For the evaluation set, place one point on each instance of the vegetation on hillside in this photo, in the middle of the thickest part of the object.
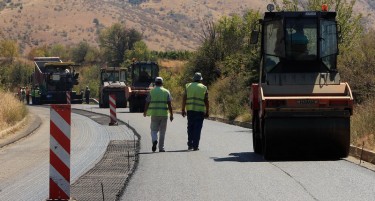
(228, 63)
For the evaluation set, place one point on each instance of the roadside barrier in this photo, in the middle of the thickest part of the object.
(59, 169)
(112, 109)
(68, 97)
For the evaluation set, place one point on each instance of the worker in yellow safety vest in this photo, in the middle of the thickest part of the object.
(158, 102)
(36, 96)
(196, 102)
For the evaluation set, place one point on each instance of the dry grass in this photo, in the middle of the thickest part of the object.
(175, 64)
(363, 125)
(11, 110)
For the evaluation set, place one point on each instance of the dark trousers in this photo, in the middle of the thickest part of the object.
(195, 123)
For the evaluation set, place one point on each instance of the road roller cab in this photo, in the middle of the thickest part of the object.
(300, 106)
(143, 74)
(112, 81)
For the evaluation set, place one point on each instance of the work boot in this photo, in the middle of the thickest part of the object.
(154, 145)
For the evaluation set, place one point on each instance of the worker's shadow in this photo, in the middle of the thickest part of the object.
(240, 157)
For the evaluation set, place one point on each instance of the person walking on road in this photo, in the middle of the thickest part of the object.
(87, 95)
(196, 102)
(27, 95)
(35, 94)
(158, 102)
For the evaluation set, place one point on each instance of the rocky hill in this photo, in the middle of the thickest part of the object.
(165, 24)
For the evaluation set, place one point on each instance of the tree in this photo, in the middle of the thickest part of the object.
(92, 56)
(79, 52)
(115, 40)
(139, 52)
(96, 21)
(58, 50)
(225, 48)
(357, 68)
(9, 49)
(38, 52)
(227, 62)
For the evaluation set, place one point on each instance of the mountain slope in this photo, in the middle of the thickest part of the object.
(165, 24)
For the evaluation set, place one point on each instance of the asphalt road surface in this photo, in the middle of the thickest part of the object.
(24, 165)
(225, 168)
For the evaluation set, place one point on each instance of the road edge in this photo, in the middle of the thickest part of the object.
(136, 157)
(32, 125)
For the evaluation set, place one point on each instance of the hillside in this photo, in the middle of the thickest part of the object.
(165, 24)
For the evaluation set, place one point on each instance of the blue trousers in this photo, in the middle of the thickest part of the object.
(195, 123)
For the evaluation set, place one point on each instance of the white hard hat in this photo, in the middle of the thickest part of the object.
(159, 79)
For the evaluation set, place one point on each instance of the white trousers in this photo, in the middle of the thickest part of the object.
(158, 124)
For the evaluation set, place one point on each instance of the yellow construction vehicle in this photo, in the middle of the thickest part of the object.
(300, 107)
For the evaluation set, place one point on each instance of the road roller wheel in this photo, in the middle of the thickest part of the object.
(257, 142)
(266, 142)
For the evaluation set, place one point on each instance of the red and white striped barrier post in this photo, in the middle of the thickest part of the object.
(68, 97)
(112, 109)
(59, 169)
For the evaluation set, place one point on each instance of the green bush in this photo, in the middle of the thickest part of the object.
(363, 124)
(229, 97)
(172, 83)
(14, 75)
(89, 76)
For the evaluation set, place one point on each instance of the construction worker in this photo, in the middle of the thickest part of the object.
(23, 94)
(27, 95)
(144, 76)
(196, 101)
(19, 93)
(298, 41)
(87, 95)
(158, 102)
(37, 95)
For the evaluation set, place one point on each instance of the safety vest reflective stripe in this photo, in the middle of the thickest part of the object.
(159, 102)
(195, 97)
(197, 104)
(157, 108)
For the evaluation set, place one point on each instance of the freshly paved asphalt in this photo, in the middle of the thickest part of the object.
(24, 168)
(225, 168)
